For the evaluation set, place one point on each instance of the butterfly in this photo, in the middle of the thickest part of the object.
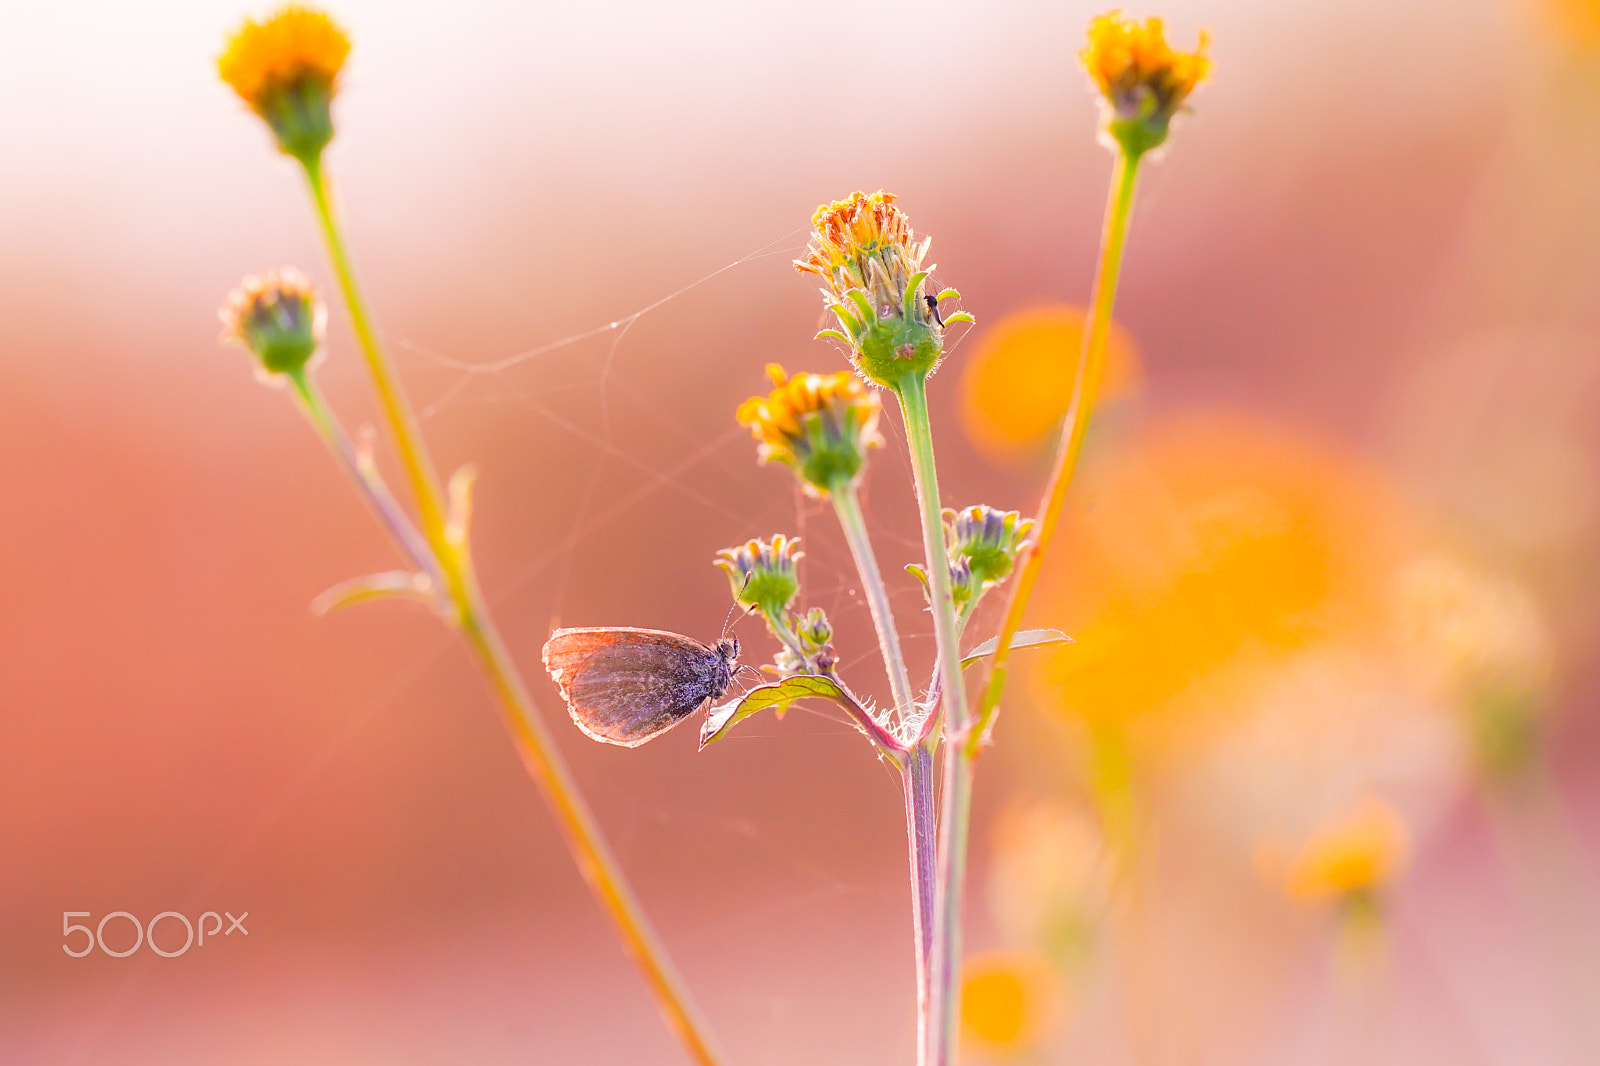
(626, 686)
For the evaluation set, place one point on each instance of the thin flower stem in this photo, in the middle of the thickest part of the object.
(945, 953)
(528, 731)
(917, 770)
(397, 412)
(593, 855)
(372, 489)
(922, 838)
(1085, 384)
(847, 505)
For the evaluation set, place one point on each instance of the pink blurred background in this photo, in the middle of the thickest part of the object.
(1379, 234)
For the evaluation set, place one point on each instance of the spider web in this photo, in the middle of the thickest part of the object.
(828, 580)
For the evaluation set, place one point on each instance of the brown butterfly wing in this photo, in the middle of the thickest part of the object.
(627, 686)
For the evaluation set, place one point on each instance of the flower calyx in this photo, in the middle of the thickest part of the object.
(278, 317)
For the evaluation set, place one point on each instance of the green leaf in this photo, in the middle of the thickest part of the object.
(1025, 638)
(778, 697)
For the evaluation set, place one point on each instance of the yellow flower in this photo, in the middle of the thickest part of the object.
(864, 248)
(278, 317)
(287, 70)
(1008, 1001)
(1143, 80)
(819, 424)
(1356, 853)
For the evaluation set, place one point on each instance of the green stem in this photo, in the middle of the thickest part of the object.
(1085, 384)
(397, 412)
(917, 771)
(922, 838)
(372, 488)
(529, 733)
(847, 505)
(945, 954)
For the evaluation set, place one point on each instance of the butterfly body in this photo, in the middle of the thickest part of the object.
(626, 686)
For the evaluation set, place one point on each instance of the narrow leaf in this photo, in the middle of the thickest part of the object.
(402, 583)
(1024, 638)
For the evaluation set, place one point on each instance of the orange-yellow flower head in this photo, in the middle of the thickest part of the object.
(1144, 82)
(287, 70)
(278, 317)
(1357, 853)
(864, 249)
(1009, 1002)
(819, 424)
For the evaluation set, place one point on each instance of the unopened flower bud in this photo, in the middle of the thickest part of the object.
(987, 540)
(278, 316)
(763, 574)
(815, 629)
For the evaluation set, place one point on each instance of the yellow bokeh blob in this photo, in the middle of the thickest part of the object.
(1015, 387)
(1008, 1000)
(1575, 22)
(1211, 547)
(1356, 852)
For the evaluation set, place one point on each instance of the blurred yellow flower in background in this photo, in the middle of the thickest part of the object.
(1048, 876)
(1357, 852)
(1577, 22)
(1210, 546)
(1240, 668)
(1015, 387)
(1010, 1000)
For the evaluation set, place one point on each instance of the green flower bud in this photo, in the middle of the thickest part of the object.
(986, 540)
(763, 574)
(815, 629)
(278, 317)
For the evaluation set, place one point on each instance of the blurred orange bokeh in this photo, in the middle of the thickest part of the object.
(1212, 545)
(1016, 385)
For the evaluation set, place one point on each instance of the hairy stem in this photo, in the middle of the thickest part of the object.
(922, 833)
(945, 953)
(917, 771)
(528, 731)
(1085, 384)
(847, 505)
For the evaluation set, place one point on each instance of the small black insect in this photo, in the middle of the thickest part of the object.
(933, 308)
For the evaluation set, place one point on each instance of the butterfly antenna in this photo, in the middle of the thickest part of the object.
(727, 621)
